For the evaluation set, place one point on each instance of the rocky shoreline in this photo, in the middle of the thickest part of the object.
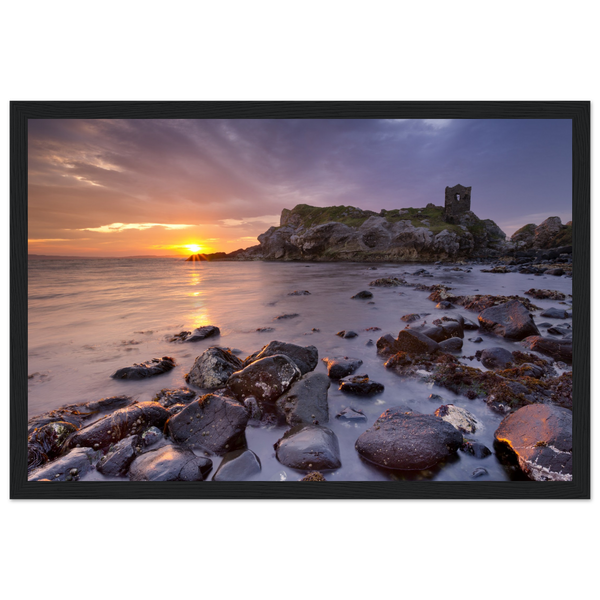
(174, 436)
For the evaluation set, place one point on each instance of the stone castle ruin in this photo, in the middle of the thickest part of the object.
(458, 202)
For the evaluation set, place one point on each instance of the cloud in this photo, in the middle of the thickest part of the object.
(265, 219)
(117, 227)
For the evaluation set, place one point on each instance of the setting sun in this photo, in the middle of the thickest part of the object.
(193, 248)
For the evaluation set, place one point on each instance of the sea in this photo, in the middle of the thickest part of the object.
(89, 317)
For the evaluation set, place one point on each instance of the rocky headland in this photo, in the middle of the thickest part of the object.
(346, 233)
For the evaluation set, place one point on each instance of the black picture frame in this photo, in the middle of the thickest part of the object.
(578, 488)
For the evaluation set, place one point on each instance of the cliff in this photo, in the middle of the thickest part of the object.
(549, 234)
(345, 233)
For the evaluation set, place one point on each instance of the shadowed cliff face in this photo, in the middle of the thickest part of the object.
(345, 233)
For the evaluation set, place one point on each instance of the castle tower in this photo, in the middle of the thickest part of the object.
(458, 202)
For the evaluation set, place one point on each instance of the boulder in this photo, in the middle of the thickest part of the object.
(362, 295)
(305, 358)
(387, 344)
(408, 441)
(360, 385)
(558, 349)
(510, 320)
(170, 463)
(557, 272)
(306, 401)
(307, 447)
(169, 398)
(496, 358)
(458, 417)
(69, 467)
(541, 437)
(410, 318)
(341, 366)
(150, 368)
(347, 334)
(352, 415)
(266, 379)
(214, 422)
(120, 424)
(213, 368)
(554, 313)
(118, 458)
(238, 466)
(203, 332)
(152, 435)
(46, 442)
(451, 345)
(414, 342)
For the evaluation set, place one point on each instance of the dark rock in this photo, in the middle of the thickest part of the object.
(479, 472)
(306, 401)
(151, 436)
(444, 305)
(170, 463)
(214, 422)
(362, 295)
(347, 334)
(453, 330)
(308, 447)
(435, 332)
(541, 437)
(305, 358)
(369, 343)
(266, 379)
(496, 358)
(544, 325)
(203, 332)
(510, 320)
(238, 466)
(408, 441)
(116, 462)
(559, 331)
(360, 385)
(120, 424)
(387, 282)
(265, 329)
(554, 313)
(352, 415)
(69, 467)
(314, 475)
(458, 417)
(287, 316)
(298, 293)
(530, 370)
(150, 368)
(476, 449)
(168, 397)
(341, 366)
(451, 345)
(557, 272)
(46, 442)
(468, 324)
(410, 318)
(387, 344)
(476, 340)
(557, 349)
(213, 368)
(413, 342)
(253, 408)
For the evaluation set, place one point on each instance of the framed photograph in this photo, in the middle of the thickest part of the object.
(328, 300)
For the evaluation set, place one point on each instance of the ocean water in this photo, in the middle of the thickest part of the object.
(87, 318)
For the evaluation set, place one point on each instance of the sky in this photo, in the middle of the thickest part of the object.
(165, 187)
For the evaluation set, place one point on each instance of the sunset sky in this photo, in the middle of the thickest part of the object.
(153, 187)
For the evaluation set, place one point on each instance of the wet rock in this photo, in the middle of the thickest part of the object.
(541, 437)
(369, 343)
(308, 447)
(118, 458)
(120, 424)
(479, 472)
(468, 324)
(496, 358)
(530, 370)
(171, 397)
(299, 293)
(362, 295)
(510, 320)
(306, 401)
(398, 440)
(558, 349)
(476, 449)
(69, 467)
(214, 422)
(545, 294)
(170, 463)
(360, 385)
(266, 379)
(253, 408)
(545, 325)
(414, 342)
(305, 358)
(458, 417)
(265, 329)
(151, 436)
(554, 313)
(352, 415)
(203, 332)
(410, 318)
(46, 442)
(559, 331)
(557, 272)
(238, 466)
(444, 305)
(435, 332)
(476, 340)
(453, 330)
(341, 366)
(287, 316)
(387, 282)
(451, 345)
(387, 344)
(213, 368)
(150, 368)
(347, 334)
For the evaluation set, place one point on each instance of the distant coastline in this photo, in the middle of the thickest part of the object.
(67, 257)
